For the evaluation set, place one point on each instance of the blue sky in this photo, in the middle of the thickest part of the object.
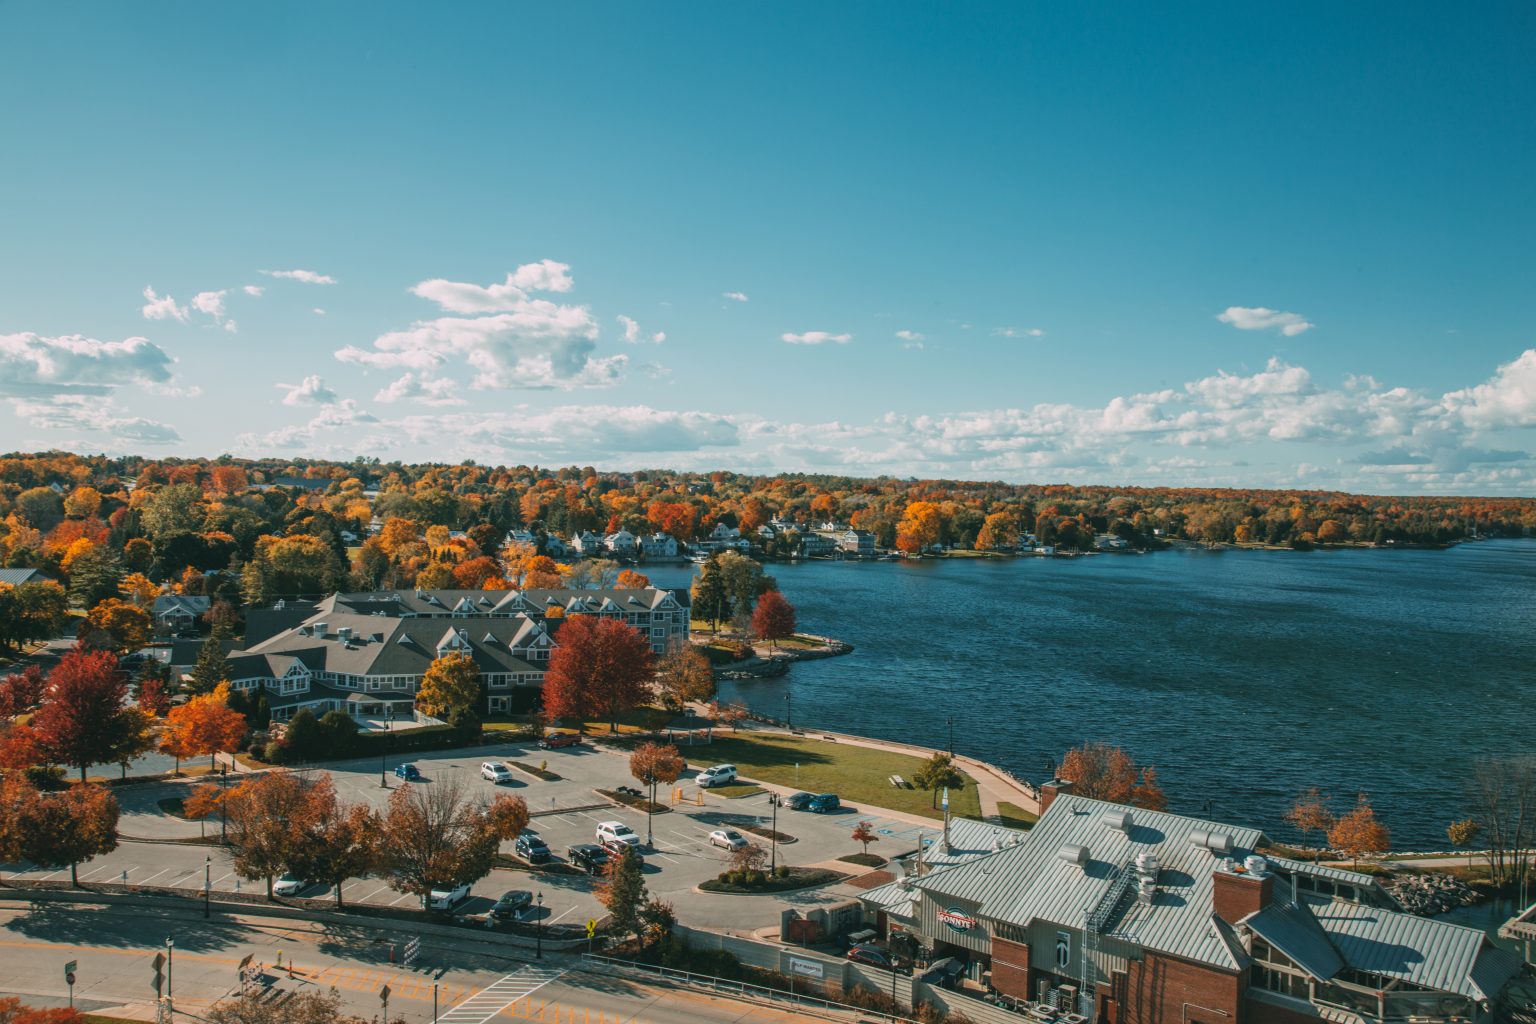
(1086, 244)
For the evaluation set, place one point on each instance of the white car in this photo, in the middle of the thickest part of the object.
(719, 775)
(495, 771)
(616, 832)
(289, 885)
(447, 899)
(729, 838)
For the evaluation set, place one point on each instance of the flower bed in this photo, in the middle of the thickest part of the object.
(542, 774)
(784, 880)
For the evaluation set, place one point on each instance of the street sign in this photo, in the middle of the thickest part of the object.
(591, 927)
(69, 978)
(384, 995)
(69, 968)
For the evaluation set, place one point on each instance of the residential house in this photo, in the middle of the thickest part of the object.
(520, 537)
(587, 544)
(365, 653)
(1142, 917)
(857, 542)
(178, 613)
(659, 545)
(554, 547)
(16, 577)
(622, 544)
(814, 545)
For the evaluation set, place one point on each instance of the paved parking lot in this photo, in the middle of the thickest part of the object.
(678, 858)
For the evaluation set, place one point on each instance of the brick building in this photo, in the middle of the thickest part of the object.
(1128, 916)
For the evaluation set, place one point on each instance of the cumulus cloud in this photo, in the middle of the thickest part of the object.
(735, 296)
(910, 335)
(574, 431)
(211, 303)
(1015, 332)
(1260, 318)
(307, 276)
(318, 311)
(459, 297)
(302, 436)
(533, 343)
(253, 290)
(162, 307)
(422, 389)
(633, 334)
(77, 412)
(1508, 399)
(817, 338)
(31, 364)
(310, 391)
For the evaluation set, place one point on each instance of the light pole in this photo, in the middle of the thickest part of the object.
(773, 841)
(389, 717)
(207, 884)
(223, 806)
(170, 963)
(951, 722)
(650, 803)
(538, 931)
(789, 718)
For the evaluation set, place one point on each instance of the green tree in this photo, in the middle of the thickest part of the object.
(938, 773)
(95, 576)
(173, 511)
(212, 666)
(622, 892)
(302, 740)
(452, 682)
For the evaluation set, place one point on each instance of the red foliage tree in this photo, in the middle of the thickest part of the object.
(599, 667)
(22, 691)
(774, 618)
(472, 574)
(83, 716)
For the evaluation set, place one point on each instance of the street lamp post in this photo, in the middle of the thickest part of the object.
(539, 927)
(389, 717)
(650, 804)
(224, 807)
(170, 963)
(773, 842)
(951, 722)
(789, 717)
(207, 884)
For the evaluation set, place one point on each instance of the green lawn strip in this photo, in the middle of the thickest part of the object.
(1014, 816)
(736, 789)
(859, 775)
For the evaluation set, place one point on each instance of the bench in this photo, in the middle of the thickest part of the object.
(899, 782)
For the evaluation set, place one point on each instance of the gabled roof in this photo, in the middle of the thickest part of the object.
(16, 577)
(1295, 932)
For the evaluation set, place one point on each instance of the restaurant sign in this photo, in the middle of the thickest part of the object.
(957, 919)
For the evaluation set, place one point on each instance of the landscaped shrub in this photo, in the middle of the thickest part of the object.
(782, 871)
(273, 753)
(754, 878)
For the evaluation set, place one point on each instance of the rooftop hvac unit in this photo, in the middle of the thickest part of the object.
(1256, 865)
(1218, 843)
(1119, 821)
(1074, 854)
(320, 627)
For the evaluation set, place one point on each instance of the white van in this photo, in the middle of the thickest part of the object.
(719, 775)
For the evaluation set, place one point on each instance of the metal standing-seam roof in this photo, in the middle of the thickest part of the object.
(1293, 930)
(1435, 954)
(1020, 884)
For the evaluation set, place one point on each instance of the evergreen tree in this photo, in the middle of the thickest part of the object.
(212, 666)
(623, 892)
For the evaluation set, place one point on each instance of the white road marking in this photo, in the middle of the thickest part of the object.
(496, 997)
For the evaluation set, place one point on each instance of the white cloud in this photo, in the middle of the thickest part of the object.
(580, 431)
(1260, 318)
(162, 307)
(1015, 332)
(231, 326)
(459, 297)
(34, 365)
(253, 289)
(211, 303)
(77, 412)
(817, 338)
(633, 334)
(422, 389)
(910, 335)
(735, 296)
(318, 311)
(301, 436)
(310, 391)
(1508, 399)
(307, 276)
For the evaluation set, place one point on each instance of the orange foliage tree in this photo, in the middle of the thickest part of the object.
(1102, 772)
(1359, 833)
(631, 580)
(599, 667)
(203, 725)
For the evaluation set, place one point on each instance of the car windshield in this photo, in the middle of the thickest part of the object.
(732, 835)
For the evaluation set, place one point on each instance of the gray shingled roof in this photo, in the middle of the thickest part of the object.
(16, 577)
(441, 603)
(1030, 881)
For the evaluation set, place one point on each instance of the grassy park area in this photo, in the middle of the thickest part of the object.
(856, 774)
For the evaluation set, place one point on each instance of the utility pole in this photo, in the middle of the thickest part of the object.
(207, 885)
(223, 805)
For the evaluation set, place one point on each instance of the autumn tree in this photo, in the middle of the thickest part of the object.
(864, 834)
(919, 527)
(451, 683)
(600, 667)
(748, 858)
(683, 675)
(1000, 530)
(202, 802)
(18, 798)
(73, 825)
(1310, 812)
(631, 580)
(256, 1007)
(655, 764)
(135, 738)
(334, 841)
(1102, 772)
(1462, 833)
(438, 836)
(85, 711)
(265, 816)
(22, 691)
(204, 725)
(774, 618)
(1359, 834)
(139, 590)
(622, 892)
(936, 773)
(20, 748)
(114, 625)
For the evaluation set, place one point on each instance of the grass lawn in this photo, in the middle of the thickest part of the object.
(1015, 816)
(856, 774)
(736, 789)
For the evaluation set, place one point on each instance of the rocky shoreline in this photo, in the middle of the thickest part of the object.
(1432, 893)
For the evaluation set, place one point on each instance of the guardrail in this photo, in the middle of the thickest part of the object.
(740, 989)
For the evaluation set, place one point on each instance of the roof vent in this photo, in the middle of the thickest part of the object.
(1255, 865)
(320, 627)
(1218, 843)
(1119, 821)
(1074, 854)
(344, 632)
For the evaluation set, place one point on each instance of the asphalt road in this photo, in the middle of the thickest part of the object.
(114, 949)
(677, 860)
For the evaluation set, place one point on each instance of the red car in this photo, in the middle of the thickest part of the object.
(560, 739)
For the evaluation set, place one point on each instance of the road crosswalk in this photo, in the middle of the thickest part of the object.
(497, 996)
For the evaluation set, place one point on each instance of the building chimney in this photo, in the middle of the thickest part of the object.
(1237, 892)
(1051, 790)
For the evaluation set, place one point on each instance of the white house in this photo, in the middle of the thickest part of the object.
(587, 544)
(659, 545)
(622, 544)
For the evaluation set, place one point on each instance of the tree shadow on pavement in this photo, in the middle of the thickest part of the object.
(147, 928)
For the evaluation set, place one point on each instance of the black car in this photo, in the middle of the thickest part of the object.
(511, 904)
(531, 849)
(798, 801)
(588, 855)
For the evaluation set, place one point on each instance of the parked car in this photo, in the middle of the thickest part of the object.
(588, 855)
(616, 832)
(532, 849)
(495, 771)
(728, 838)
(511, 904)
(289, 885)
(874, 956)
(408, 772)
(798, 801)
(824, 803)
(555, 740)
(614, 848)
(719, 775)
(447, 899)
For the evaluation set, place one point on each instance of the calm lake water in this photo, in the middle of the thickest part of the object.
(1244, 676)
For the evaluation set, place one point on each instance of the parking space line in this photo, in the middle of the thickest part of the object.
(146, 881)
